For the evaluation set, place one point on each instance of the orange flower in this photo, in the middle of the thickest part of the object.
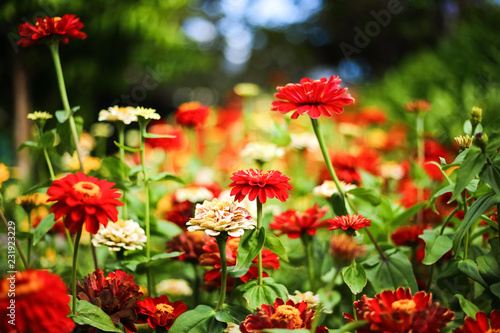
(50, 30)
(320, 97)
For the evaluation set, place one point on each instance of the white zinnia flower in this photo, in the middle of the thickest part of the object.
(174, 287)
(124, 234)
(216, 216)
(328, 188)
(308, 297)
(304, 141)
(115, 113)
(39, 115)
(193, 194)
(232, 328)
(146, 113)
(261, 152)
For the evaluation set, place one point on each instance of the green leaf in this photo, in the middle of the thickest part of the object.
(127, 148)
(75, 108)
(495, 289)
(200, 320)
(407, 214)
(350, 327)
(468, 127)
(232, 314)
(47, 140)
(250, 245)
(45, 225)
(479, 206)
(458, 160)
(274, 244)
(111, 167)
(436, 245)
(354, 277)
(452, 280)
(469, 308)
(62, 116)
(26, 144)
(469, 268)
(158, 136)
(89, 314)
(338, 204)
(493, 131)
(473, 163)
(491, 176)
(164, 176)
(366, 194)
(392, 274)
(489, 267)
(266, 294)
(139, 263)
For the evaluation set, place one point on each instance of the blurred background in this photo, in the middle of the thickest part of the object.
(161, 53)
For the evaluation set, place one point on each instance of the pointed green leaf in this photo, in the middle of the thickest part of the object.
(200, 320)
(274, 244)
(47, 140)
(366, 194)
(495, 289)
(165, 176)
(471, 166)
(232, 314)
(436, 246)
(338, 204)
(26, 144)
(62, 116)
(355, 278)
(266, 294)
(491, 176)
(392, 274)
(469, 268)
(489, 268)
(89, 314)
(469, 308)
(127, 148)
(407, 214)
(45, 225)
(250, 245)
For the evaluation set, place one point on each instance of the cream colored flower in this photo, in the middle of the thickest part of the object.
(193, 194)
(124, 234)
(261, 152)
(232, 328)
(146, 113)
(39, 115)
(304, 141)
(245, 203)
(103, 130)
(115, 113)
(328, 188)
(174, 287)
(87, 142)
(464, 142)
(391, 169)
(217, 216)
(308, 297)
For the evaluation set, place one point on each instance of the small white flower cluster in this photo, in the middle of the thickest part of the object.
(124, 234)
(261, 152)
(174, 287)
(193, 194)
(308, 297)
(115, 113)
(216, 216)
(328, 188)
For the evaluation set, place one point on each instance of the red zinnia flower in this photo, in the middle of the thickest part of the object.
(314, 97)
(211, 257)
(294, 224)
(191, 243)
(192, 114)
(261, 184)
(82, 199)
(418, 105)
(167, 144)
(51, 29)
(280, 315)
(349, 223)
(399, 311)
(34, 310)
(180, 213)
(159, 311)
(116, 295)
(481, 325)
(407, 235)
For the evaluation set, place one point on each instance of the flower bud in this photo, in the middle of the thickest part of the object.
(476, 116)
(481, 141)
(464, 142)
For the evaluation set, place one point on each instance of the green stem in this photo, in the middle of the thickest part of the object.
(307, 242)
(331, 170)
(420, 160)
(54, 50)
(196, 285)
(467, 236)
(49, 164)
(121, 138)
(73, 270)
(221, 243)
(259, 225)
(142, 125)
(70, 241)
(21, 254)
(30, 240)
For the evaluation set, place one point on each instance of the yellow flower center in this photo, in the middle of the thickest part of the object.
(164, 308)
(496, 330)
(404, 305)
(288, 313)
(22, 286)
(87, 189)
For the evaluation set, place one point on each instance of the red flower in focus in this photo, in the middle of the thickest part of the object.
(192, 114)
(159, 311)
(349, 223)
(180, 213)
(481, 324)
(191, 243)
(211, 257)
(407, 235)
(294, 224)
(319, 97)
(82, 199)
(35, 309)
(280, 315)
(261, 184)
(167, 144)
(115, 294)
(418, 105)
(399, 311)
(51, 29)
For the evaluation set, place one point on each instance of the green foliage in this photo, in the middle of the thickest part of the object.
(266, 294)
(88, 314)
(436, 245)
(391, 274)
(200, 320)
(355, 277)
(45, 225)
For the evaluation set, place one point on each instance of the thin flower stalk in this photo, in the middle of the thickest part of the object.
(221, 243)
(259, 256)
(308, 247)
(73, 270)
(121, 139)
